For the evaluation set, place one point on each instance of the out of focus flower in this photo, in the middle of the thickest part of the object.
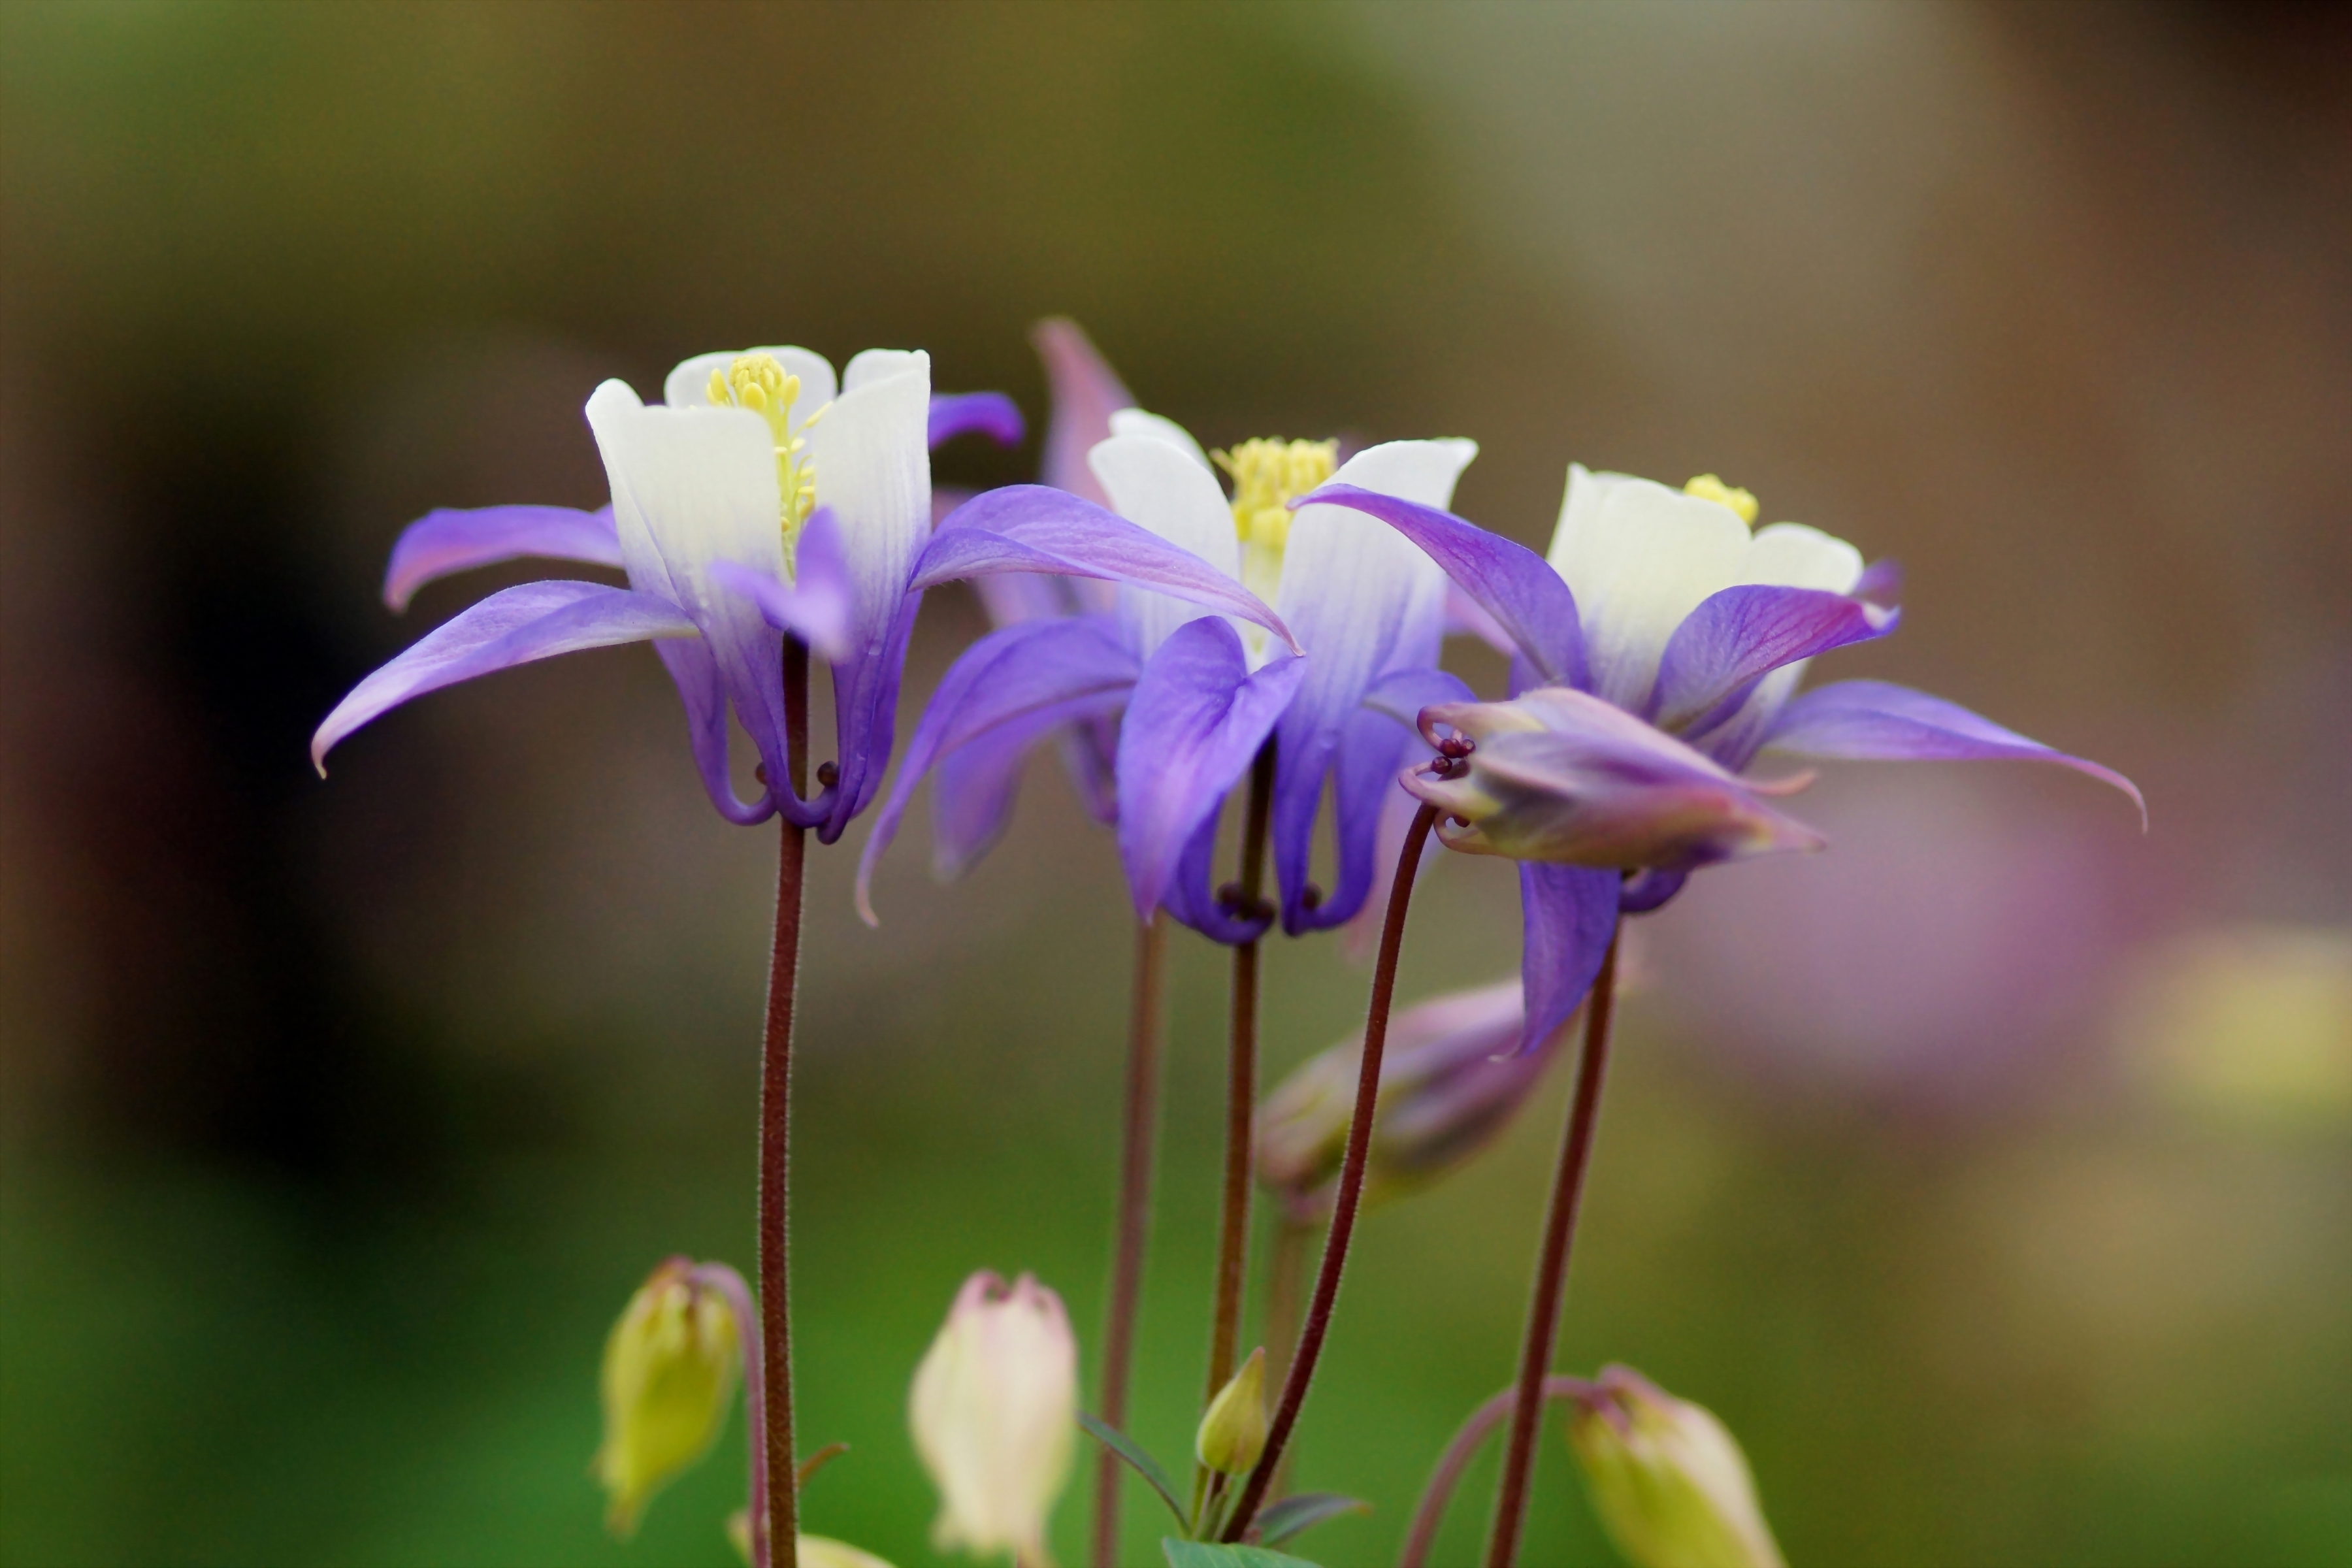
(752, 502)
(1232, 1434)
(994, 1417)
(1660, 607)
(1201, 693)
(670, 1366)
(816, 1550)
(1668, 1478)
(1450, 1083)
(2250, 1025)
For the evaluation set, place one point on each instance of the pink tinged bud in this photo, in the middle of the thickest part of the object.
(994, 1417)
(1444, 1096)
(670, 1366)
(1668, 1478)
(1559, 775)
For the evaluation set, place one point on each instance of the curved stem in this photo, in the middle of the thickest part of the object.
(1285, 1274)
(781, 1525)
(729, 1283)
(1351, 1193)
(1552, 1269)
(1139, 1132)
(1430, 1512)
(1240, 1089)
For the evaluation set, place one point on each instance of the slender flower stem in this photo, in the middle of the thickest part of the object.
(1551, 1271)
(729, 1283)
(1240, 1089)
(1431, 1511)
(782, 1524)
(1350, 1192)
(1139, 1134)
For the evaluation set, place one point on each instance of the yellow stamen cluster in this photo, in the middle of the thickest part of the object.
(758, 383)
(1269, 475)
(1706, 487)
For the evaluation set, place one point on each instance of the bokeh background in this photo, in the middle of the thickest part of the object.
(1990, 1174)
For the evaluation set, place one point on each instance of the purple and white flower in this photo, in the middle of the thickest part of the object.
(1656, 653)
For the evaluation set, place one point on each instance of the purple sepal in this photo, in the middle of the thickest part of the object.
(989, 414)
(453, 539)
(1569, 913)
(1402, 694)
(1465, 617)
(1736, 637)
(1881, 584)
(695, 674)
(1052, 667)
(819, 606)
(516, 625)
(1086, 392)
(1649, 891)
(1035, 528)
(1877, 721)
(1197, 717)
(973, 786)
(1511, 583)
(865, 718)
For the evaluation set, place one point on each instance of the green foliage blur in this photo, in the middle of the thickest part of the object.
(1986, 1175)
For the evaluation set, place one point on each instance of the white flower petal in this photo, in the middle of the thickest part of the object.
(873, 465)
(610, 408)
(689, 385)
(1136, 422)
(881, 364)
(1155, 484)
(1642, 560)
(1797, 555)
(1364, 590)
(1579, 509)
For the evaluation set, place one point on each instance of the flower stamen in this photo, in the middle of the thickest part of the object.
(757, 382)
(1268, 476)
(1706, 487)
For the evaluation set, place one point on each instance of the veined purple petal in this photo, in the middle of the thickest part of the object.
(1086, 392)
(1035, 528)
(532, 621)
(1741, 635)
(989, 414)
(454, 539)
(866, 719)
(973, 786)
(695, 674)
(1570, 914)
(819, 605)
(1877, 721)
(1005, 678)
(1196, 719)
(1511, 583)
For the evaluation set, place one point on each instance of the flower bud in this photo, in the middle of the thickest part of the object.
(816, 1550)
(1444, 1096)
(994, 1416)
(1232, 1434)
(669, 1372)
(1668, 1478)
(1559, 775)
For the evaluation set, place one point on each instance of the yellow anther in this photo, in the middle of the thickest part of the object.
(1269, 475)
(1706, 487)
(757, 382)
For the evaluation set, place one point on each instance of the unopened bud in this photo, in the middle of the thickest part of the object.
(669, 1371)
(994, 1415)
(1232, 1434)
(816, 1550)
(1668, 1478)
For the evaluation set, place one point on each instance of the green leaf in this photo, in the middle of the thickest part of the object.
(1281, 1520)
(1206, 1554)
(1143, 1464)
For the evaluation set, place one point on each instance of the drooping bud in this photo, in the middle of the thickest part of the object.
(1559, 775)
(669, 1372)
(1444, 1096)
(816, 1550)
(1668, 1478)
(994, 1416)
(1232, 1434)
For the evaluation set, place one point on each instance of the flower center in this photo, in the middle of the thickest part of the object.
(1267, 476)
(758, 383)
(1706, 487)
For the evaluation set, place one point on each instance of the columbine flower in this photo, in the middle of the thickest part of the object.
(1668, 1478)
(995, 1414)
(751, 501)
(1199, 694)
(1450, 1082)
(669, 1373)
(1678, 636)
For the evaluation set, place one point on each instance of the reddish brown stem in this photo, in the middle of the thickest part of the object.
(1431, 1511)
(1240, 1089)
(1551, 1268)
(781, 1523)
(1139, 1134)
(1351, 1193)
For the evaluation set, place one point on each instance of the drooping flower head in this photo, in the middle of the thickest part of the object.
(1657, 652)
(994, 1416)
(670, 1366)
(1668, 1478)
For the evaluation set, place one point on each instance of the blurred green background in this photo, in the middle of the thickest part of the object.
(1988, 1176)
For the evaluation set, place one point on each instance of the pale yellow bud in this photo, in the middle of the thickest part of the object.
(1668, 1478)
(669, 1372)
(816, 1550)
(994, 1415)
(1232, 1434)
